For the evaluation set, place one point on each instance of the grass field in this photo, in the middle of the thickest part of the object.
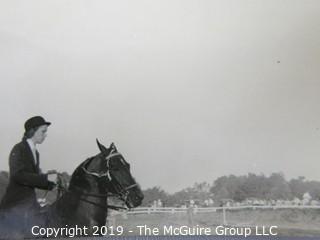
(290, 222)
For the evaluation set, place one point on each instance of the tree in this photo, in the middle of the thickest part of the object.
(298, 187)
(280, 189)
(4, 179)
(152, 194)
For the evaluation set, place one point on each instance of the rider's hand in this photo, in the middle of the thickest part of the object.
(52, 178)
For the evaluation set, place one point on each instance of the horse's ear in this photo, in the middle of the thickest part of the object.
(102, 148)
(112, 146)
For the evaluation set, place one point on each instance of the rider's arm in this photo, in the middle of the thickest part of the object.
(21, 171)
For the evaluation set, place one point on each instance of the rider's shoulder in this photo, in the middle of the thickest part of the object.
(20, 146)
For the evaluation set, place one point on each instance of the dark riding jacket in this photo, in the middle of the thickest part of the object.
(25, 176)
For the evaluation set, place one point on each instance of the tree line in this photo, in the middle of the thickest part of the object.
(238, 188)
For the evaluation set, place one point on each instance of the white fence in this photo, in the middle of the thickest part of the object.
(223, 210)
(152, 210)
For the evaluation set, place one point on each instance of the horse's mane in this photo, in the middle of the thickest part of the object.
(77, 173)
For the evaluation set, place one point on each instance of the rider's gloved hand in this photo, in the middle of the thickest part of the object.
(52, 176)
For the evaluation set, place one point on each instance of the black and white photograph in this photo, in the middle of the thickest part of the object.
(159, 119)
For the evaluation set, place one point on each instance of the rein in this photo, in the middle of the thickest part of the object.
(104, 207)
(97, 194)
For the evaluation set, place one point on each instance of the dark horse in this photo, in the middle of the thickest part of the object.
(84, 202)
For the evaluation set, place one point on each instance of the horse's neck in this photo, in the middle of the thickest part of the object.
(66, 205)
(76, 208)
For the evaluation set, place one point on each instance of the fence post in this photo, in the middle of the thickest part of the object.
(224, 215)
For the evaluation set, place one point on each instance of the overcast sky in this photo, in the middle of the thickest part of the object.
(188, 90)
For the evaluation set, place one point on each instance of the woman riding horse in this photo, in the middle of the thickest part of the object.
(83, 203)
(20, 199)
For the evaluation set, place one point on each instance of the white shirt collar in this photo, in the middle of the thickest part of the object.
(31, 144)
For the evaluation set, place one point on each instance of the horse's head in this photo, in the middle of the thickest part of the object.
(107, 172)
(121, 182)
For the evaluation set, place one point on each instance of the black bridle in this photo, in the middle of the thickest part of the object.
(121, 191)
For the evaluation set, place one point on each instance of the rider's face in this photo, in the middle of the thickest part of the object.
(40, 134)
